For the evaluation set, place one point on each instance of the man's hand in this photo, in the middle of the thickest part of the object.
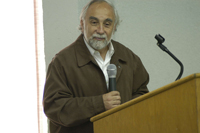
(111, 99)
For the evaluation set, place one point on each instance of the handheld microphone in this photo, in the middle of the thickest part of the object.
(112, 72)
(160, 40)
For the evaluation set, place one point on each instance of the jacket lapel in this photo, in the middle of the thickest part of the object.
(82, 53)
(117, 59)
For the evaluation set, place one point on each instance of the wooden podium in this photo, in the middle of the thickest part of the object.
(174, 108)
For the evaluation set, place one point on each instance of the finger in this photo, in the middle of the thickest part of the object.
(114, 106)
(118, 97)
(115, 93)
(116, 102)
(114, 98)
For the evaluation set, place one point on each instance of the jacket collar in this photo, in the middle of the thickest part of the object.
(82, 53)
(84, 57)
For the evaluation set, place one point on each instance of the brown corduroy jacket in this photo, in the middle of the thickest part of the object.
(75, 85)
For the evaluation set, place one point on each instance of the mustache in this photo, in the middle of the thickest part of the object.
(99, 36)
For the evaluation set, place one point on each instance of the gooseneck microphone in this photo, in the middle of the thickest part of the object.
(160, 40)
(112, 72)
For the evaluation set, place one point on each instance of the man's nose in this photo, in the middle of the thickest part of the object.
(100, 29)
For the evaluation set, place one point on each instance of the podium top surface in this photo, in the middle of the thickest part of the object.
(145, 96)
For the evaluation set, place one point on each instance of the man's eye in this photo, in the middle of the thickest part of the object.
(107, 24)
(93, 22)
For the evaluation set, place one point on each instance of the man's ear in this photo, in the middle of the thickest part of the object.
(114, 30)
(82, 25)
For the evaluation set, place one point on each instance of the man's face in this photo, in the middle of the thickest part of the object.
(98, 25)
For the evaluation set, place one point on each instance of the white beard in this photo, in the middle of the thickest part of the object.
(97, 45)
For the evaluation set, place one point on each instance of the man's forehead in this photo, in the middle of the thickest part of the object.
(94, 18)
(100, 9)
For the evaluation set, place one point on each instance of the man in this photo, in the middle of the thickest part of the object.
(76, 86)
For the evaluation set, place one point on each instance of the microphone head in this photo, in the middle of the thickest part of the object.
(159, 38)
(112, 71)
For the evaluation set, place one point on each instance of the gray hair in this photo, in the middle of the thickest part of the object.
(85, 8)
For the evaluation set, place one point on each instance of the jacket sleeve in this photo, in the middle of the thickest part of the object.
(141, 79)
(61, 106)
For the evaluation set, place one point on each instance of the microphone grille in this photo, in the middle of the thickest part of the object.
(112, 71)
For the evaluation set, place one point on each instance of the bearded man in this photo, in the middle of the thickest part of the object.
(76, 87)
